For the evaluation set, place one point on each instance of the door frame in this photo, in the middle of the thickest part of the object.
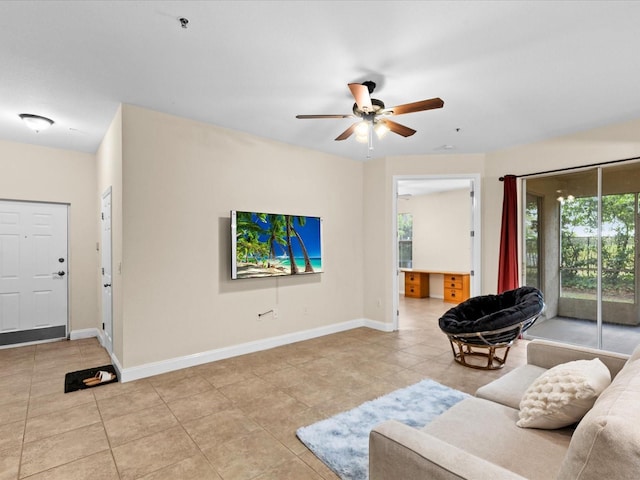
(476, 251)
(107, 344)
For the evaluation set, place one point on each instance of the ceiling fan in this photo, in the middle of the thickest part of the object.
(374, 115)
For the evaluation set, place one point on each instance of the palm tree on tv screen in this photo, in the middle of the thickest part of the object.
(289, 230)
(308, 268)
(248, 244)
(277, 227)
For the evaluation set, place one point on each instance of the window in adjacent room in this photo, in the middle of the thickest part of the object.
(405, 240)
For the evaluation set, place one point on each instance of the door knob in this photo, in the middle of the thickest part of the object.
(107, 285)
(60, 273)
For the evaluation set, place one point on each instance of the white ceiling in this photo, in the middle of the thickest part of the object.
(509, 72)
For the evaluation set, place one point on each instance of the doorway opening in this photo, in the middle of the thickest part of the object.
(436, 238)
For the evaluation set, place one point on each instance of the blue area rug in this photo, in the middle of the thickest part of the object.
(342, 441)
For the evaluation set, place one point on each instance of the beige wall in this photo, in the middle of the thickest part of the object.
(377, 242)
(441, 226)
(52, 175)
(181, 178)
(109, 174)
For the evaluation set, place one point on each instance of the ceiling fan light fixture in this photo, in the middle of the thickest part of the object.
(362, 131)
(362, 128)
(362, 138)
(381, 130)
(37, 123)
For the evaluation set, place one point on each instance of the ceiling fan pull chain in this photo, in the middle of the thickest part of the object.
(370, 143)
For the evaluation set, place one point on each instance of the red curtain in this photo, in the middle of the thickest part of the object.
(508, 265)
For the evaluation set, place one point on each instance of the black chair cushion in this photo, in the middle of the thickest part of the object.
(492, 312)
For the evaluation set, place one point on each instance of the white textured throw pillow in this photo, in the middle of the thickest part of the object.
(563, 394)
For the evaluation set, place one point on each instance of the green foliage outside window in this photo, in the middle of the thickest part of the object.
(532, 265)
(405, 240)
(579, 247)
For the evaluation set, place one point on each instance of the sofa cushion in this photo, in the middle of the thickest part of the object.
(547, 354)
(509, 389)
(606, 443)
(635, 355)
(563, 394)
(488, 430)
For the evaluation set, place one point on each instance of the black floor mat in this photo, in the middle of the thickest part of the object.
(74, 380)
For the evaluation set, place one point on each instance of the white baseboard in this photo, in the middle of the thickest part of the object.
(101, 337)
(376, 325)
(114, 360)
(83, 333)
(164, 366)
(116, 364)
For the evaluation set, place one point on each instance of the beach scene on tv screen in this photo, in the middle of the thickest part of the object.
(274, 244)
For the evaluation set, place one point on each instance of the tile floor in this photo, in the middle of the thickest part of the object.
(233, 419)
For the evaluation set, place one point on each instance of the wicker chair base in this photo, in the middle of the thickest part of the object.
(464, 352)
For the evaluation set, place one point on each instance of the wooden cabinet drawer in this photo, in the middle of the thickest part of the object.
(416, 285)
(456, 287)
(452, 295)
(450, 284)
(412, 291)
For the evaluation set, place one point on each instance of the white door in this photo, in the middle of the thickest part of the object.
(107, 304)
(33, 272)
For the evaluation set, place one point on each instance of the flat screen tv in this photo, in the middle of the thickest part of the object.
(274, 244)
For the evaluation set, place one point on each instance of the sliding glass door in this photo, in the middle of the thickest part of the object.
(534, 258)
(581, 234)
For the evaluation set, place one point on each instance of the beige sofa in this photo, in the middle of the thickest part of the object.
(478, 438)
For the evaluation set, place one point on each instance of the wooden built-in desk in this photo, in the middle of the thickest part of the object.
(456, 284)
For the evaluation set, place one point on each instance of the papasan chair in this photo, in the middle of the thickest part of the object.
(481, 325)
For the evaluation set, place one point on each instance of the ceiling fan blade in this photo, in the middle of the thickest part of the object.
(347, 133)
(361, 94)
(339, 115)
(415, 106)
(397, 128)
